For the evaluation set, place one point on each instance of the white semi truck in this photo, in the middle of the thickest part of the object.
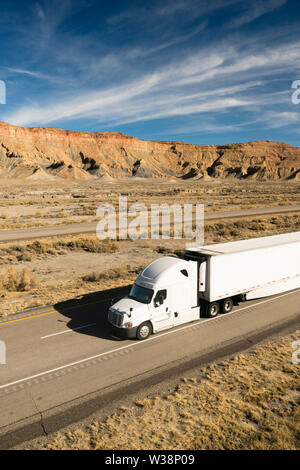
(210, 279)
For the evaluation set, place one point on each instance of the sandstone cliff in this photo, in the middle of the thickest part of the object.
(40, 153)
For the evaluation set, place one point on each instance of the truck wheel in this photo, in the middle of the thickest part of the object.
(227, 305)
(213, 309)
(144, 331)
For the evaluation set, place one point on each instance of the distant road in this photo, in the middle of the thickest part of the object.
(76, 229)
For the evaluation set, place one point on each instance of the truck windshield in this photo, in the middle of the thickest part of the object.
(141, 294)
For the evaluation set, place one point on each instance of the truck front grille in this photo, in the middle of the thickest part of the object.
(115, 318)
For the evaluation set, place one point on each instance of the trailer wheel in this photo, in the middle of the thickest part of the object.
(212, 309)
(144, 331)
(227, 305)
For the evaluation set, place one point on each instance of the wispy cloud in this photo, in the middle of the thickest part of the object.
(31, 73)
(183, 9)
(169, 91)
(253, 10)
(199, 127)
(143, 52)
(187, 60)
(275, 120)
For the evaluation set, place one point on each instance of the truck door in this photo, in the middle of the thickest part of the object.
(162, 314)
(183, 303)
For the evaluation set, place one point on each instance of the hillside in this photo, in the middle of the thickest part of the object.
(46, 154)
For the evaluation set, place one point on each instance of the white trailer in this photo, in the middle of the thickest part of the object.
(210, 279)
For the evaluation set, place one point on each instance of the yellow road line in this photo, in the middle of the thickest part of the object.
(52, 311)
(27, 318)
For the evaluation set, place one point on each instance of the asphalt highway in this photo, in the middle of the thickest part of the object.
(59, 358)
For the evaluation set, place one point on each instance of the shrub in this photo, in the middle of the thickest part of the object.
(123, 271)
(12, 281)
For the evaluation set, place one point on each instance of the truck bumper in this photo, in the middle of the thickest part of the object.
(129, 333)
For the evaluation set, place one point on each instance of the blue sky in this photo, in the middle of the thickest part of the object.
(199, 71)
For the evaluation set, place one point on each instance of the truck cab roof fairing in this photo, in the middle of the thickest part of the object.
(162, 272)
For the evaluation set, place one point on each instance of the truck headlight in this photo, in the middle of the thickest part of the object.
(128, 324)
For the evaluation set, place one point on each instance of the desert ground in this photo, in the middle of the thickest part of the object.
(250, 401)
(53, 269)
(247, 410)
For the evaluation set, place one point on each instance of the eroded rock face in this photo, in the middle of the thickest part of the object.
(55, 153)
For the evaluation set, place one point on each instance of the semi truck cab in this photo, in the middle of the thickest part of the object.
(164, 295)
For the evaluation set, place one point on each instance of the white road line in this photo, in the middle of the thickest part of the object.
(68, 331)
(152, 338)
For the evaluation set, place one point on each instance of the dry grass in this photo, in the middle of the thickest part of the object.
(13, 281)
(28, 204)
(27, 251)
(42, 294)
(248, 402)
(251, 227)
(130, 257)
(122, 271)
(233, 229)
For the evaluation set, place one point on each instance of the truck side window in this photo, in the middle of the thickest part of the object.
(160, 297)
